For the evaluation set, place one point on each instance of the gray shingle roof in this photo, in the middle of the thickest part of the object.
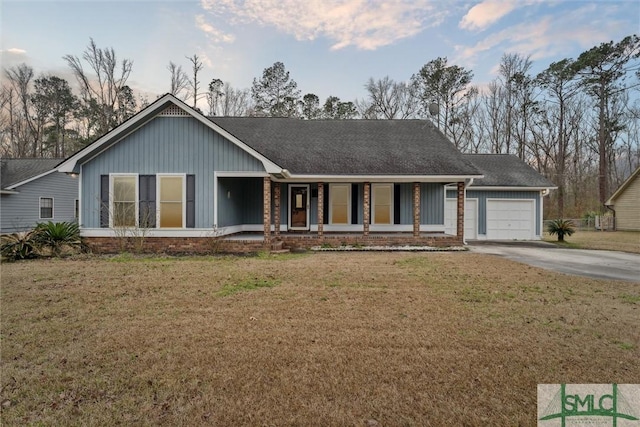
(13, 171)
(506, 170)
(350, 147)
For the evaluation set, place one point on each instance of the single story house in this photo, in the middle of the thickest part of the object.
(625, 203)
(257, 182)
(31, 191)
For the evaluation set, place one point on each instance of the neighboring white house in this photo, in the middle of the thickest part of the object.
(32, 191)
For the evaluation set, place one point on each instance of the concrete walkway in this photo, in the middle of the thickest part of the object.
(608, 265)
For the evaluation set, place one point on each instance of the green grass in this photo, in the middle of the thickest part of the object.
(247, 285)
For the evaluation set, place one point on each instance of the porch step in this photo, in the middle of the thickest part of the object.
(277, 247)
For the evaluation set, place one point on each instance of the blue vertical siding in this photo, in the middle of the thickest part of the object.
(432, 203)
(168, 145)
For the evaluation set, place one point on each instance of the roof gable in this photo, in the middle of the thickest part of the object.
(351, 147)
(15, 172)
(623, 187)
(166, 105)
(506, 170)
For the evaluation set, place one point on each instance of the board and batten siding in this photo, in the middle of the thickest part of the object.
(20, 212)
(431, 198)
(483, 195)
(627, 207)
(167, 145)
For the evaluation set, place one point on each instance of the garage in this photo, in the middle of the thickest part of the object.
(510, 219)
(470, 218)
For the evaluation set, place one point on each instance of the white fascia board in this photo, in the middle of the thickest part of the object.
(125, 129)
(376, 178)
(505, 188)
(9, 192)
(33, 178)
(241, 174)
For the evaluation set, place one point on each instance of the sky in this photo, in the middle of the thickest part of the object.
(330, 47)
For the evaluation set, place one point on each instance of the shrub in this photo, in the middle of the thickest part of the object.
(561, 227)
(17, 246)
(58, 235)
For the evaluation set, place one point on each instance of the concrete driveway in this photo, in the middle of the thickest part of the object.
(609, 265)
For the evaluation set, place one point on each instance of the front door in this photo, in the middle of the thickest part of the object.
(299, 207)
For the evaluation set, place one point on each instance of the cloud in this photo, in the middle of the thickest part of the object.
(365, 24)
(213, 33)
(486, 13)
(15, 51)
(549, 36)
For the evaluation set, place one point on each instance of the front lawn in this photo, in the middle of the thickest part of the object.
(625, 241)
(327, 339)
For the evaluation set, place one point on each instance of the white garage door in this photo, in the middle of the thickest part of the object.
(470, 218)
(510, 219)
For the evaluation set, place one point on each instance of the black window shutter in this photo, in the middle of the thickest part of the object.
(354, 203)
(191, 201)
(104, 201)
(396, 203)
(147, 207)
(325, 201)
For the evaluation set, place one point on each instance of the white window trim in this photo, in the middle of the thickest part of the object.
(391, 202)
(331, 186)
(184, 199)
(112, 176)
(53, 204)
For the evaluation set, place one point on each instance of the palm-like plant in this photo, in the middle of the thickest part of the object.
(57, 235)
(19, 246)
(561, 227)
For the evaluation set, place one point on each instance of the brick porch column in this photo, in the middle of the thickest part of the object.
(367, 207)
(320, 209)
(276, 207)
(266, 197)
(416, 209)
(460, 222)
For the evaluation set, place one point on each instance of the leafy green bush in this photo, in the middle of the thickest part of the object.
(561, 228)
(58, 235)
(17, 246)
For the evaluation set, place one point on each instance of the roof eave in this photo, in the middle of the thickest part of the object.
(374, 178)
(28, 180)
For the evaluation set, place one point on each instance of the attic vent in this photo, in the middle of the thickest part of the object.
(173, 110)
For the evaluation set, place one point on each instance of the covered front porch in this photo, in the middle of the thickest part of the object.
(331, 214)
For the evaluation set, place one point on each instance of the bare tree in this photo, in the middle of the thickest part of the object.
(26, 131)
(101, 90)
(179, 81)
(389, 100)
(196, 66)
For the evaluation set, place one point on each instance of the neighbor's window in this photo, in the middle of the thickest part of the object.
(382, 201)
(171, 201)
(76, 209)
(339, 201)
(124, 201)
(46, 208)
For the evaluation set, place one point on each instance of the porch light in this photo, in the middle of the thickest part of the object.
(72, 174)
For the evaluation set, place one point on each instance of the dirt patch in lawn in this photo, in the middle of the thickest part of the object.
(311, 339)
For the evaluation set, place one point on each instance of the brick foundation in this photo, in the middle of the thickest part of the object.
(173, 245)
(210, 245)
